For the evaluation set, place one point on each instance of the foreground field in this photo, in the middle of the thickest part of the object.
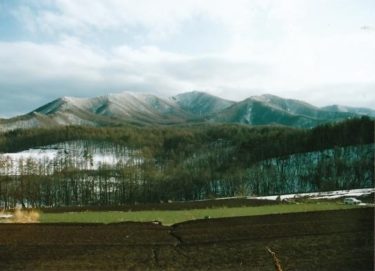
(169, 217)
(321, 240)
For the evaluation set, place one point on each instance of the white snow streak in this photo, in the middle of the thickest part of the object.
(322, 195)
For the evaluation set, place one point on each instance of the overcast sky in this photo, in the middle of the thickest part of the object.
(319, 51)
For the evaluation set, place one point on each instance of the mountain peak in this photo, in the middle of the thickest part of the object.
(66, 99)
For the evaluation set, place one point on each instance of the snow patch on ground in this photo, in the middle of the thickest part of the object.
(36, 154)
(78, 155)
(322, 195)
(5, 216)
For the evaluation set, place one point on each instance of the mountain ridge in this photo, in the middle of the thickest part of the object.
(190, 107)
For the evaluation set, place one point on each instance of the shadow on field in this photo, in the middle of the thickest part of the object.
(329, 240)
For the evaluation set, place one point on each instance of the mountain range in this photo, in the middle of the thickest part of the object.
(191, 107)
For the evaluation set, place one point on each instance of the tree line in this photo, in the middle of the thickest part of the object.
(188, 163)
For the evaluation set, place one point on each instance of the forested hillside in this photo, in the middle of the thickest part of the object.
(112, 166)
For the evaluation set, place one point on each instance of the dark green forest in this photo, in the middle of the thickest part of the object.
(190, 163)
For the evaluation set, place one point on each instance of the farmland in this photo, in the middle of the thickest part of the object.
(169, 217)
(320, 240)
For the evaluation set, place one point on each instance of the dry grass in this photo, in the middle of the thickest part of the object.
(21, 216)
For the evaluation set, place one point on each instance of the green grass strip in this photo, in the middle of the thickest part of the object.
(172, 217)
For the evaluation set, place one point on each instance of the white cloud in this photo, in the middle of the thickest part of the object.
(288, 48)
(72, 68)
(159, 19)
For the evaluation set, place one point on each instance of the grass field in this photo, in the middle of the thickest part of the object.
(172, 217)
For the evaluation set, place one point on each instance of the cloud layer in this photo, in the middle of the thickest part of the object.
(318, 51)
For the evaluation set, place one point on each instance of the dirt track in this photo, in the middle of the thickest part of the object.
(331, 240)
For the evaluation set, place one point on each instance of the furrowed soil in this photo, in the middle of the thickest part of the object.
(329, 240)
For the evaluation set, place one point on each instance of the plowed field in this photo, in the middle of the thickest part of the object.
(329, 240)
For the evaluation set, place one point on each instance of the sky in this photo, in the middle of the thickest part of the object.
(319, 51)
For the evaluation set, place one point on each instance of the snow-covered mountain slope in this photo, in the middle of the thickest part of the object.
(255, 112)
(126, 106)
(299, 108)
(270, 109)
(201, 103)
(146, 109)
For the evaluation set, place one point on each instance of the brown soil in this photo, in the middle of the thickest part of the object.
(329, 240)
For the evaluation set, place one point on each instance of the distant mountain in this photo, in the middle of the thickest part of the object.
(269, 109)
(145, 109)
(356, 110)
